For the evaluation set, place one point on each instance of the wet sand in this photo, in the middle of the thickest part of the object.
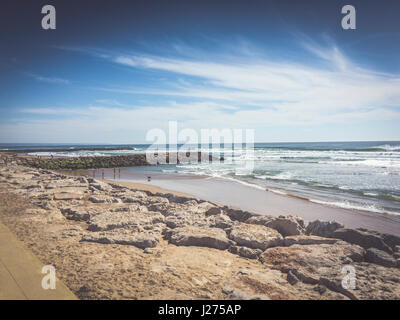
(254, 199)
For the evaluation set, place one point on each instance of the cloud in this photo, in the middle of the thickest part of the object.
(49, 79)
(262, 93)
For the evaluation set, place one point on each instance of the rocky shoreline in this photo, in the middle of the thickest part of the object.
(266, 257)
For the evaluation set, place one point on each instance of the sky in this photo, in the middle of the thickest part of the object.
(113, 70)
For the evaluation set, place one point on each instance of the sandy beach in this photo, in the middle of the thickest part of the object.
(119, 240)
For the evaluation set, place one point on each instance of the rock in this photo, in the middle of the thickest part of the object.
(213, 211)
(103, 199)
(285, 225)
(380, 257)
(322, 228)
(220, 221)
(255, 236)
(270, 284)
(114, 220)
(181, 219)
(306, 240)
(362, 238)
(191, 203)
(78, 213)
(324, 265)
(392, 241)
(99, 185)
(248, 253)
(132, 237)
(132, 197)
(174, 198)
(320, 289)
(292, 278)
(397, 249)
(389, 239)
(68, 196)
(198, 236)
(237, 214)
(311, 261)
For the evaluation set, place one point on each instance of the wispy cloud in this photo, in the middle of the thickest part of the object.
(341, 85)
(53, 80)
(267, 94)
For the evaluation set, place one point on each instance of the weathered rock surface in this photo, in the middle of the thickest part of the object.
(323, 265)
(198, 236)
(237, 214)
(255, 236)
(323, 228)
(132, 237)
(245, 252)
(285, 225)
(312, 261)
(380, 257)
(307, 240)
(362, 238)
(103, 199)
(109, 221)
(271, 285)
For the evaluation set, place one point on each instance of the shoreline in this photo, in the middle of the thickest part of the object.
(257, 200)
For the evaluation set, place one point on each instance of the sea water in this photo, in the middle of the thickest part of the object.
(353, 175)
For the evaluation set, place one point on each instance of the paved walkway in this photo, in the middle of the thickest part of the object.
(21, 273)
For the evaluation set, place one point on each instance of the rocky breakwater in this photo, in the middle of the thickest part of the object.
(89, 162)
(287, 259)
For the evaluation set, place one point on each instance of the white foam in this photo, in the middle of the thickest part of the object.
(352, 206)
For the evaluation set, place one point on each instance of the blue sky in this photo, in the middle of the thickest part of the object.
(111, 71)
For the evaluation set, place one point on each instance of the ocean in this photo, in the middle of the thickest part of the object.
(353, 175)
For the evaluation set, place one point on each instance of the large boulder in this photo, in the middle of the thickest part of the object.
(322, 228)
(328, 265)
(362, 237)
(245, 252)
(179, 219)
(255, 236)
(79, 213)
(140, 239)
(237, 214)
(103, 199)
(307, 240)
(312, 261)
(285, 225)
(114, 220)
(380, 257)
(200, 237)
(269, 284)
(391, 240)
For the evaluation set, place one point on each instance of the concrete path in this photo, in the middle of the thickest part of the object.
(21, 273)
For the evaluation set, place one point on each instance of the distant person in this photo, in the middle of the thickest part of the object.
(149, 178)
